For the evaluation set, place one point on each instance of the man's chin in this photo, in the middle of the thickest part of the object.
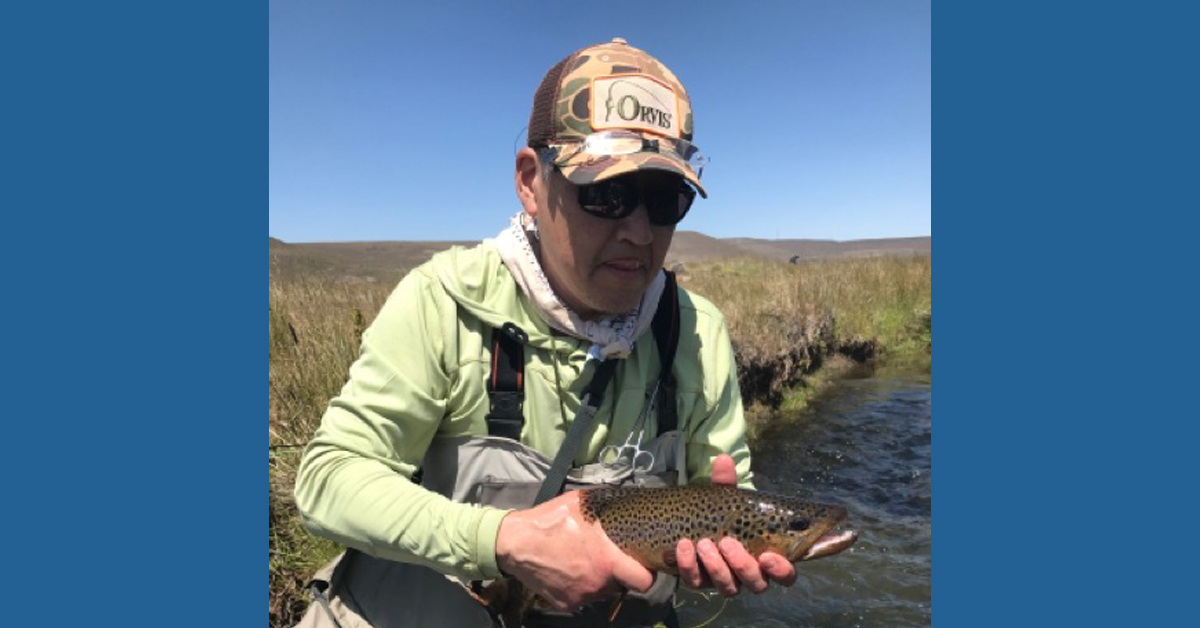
(618, 297)
(611, 307)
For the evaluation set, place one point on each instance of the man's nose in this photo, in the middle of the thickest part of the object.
(635, 228)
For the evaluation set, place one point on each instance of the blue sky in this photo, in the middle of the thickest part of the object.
(397, 120)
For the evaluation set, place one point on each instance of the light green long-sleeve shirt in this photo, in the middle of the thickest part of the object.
(421, 372)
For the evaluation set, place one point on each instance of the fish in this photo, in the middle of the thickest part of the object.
(648, 523)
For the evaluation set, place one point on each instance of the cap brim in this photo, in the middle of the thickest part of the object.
(585, 169)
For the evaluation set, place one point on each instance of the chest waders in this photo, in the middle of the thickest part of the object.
(357, 590)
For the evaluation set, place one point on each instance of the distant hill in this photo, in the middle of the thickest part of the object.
(351, 261)
(389, 261)
(690, 246)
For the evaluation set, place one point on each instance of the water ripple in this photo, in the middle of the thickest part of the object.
(867, 447)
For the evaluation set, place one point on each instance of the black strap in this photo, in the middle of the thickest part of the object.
(590, 402)
(506, 386)
(665, 327)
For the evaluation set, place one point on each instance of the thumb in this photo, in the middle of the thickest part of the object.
(724, 471)
(630, 573)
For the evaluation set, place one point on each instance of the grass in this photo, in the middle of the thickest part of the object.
(877, 297)
(314, 330)
(796, 328)
(293, 554)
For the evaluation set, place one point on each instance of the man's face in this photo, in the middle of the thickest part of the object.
(599, 265)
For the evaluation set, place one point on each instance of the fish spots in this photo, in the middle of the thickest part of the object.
(648, 523)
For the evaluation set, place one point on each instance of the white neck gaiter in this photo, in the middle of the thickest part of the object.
(611, 336)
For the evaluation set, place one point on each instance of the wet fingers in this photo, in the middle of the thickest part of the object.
(718, 570)
(688, 564)
(777, 568)
(745, 568)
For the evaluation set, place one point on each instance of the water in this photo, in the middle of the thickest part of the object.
(867, 446)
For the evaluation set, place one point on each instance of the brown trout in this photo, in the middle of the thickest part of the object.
(648, 523)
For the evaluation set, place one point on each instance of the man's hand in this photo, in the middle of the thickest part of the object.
(563, 558)
(726, 565)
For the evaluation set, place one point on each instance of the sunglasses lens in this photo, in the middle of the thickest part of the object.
(668, 207)
(608, 199)
(615, 199)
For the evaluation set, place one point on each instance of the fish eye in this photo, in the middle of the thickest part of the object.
(798, 525)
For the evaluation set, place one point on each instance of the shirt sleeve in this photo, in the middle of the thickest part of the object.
(354, 481)
(722, 429)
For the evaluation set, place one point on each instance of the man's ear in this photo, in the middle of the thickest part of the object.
(528, 179)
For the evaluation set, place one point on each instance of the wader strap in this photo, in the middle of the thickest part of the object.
(590, 402)
(321, 584)
(321, 598)
(665, 327)
(506, 386)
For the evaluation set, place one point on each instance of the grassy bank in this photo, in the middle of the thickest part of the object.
(795, 327)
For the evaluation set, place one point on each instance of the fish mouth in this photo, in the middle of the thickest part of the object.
(829, 544)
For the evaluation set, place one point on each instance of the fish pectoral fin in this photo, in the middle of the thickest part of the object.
(507, 599)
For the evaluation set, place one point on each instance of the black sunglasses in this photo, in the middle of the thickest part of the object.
(617, 198)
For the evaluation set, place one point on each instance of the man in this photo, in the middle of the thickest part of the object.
(559, 302)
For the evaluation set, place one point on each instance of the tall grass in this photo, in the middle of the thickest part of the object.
(789, 324)
(795, 327)
(876, 297)
(314, 330)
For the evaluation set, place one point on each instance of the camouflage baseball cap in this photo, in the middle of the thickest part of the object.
(614, 95)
